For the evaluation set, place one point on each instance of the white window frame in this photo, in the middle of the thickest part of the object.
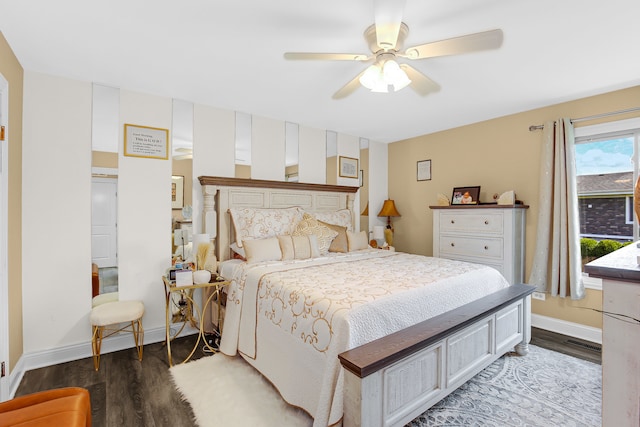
(631, 126)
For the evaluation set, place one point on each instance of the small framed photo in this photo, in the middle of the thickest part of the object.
(465, 195)
(424, 170)
(177, 192)
(348, 167)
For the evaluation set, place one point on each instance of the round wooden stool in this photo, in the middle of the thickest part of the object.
(108, 317)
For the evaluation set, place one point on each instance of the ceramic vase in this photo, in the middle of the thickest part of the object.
(201, 276)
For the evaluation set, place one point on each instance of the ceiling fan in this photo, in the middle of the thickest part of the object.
(386, 40)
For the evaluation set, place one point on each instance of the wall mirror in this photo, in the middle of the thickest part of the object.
(104, 185)
(332, 158)
(291, 153)
(181, 179)
(243, 145)
(363, 182)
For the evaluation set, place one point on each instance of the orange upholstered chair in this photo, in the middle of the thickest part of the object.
(69, 407)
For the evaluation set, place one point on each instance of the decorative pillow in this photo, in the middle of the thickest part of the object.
(339, 243)
(341, 217)
(254, 223)
(357, 241)
(310, 225)
(258, 250)
(299, 247)
(237, 251)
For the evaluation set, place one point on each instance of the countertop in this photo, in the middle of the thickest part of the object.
(618, 265)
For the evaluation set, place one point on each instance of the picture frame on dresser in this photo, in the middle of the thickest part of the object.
(465, 195)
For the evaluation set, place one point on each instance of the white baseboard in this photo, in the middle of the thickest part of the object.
(40, 359)
(571, 329)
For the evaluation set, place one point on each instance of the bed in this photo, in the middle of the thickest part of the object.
(350, 334)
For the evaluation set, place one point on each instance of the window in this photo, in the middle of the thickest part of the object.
(606, 172)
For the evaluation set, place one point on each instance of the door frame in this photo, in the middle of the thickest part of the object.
(105, 176)
(4, 228)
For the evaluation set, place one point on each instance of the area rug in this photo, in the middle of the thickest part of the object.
(544, 388)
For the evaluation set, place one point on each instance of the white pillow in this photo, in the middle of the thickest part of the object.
(299, 247)
(341, 217)
(258, 250)
(254, 223)
(357, 241)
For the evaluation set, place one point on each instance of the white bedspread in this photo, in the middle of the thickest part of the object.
(328, 305)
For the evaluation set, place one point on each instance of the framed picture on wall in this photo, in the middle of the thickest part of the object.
(177, 192)
(465, 195)
(348, 167)
(146, 141)
(424, 170)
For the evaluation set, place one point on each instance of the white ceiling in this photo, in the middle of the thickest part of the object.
(229, 54)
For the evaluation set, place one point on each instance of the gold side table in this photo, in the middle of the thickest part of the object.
(186, 292)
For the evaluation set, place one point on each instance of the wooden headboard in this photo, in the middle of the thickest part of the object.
(220, 194)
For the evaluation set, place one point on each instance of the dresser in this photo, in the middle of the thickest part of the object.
(620, 274)
(492, 235)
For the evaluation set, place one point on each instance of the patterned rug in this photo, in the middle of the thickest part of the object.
(544, 388)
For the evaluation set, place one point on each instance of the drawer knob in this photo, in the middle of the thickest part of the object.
(452, 221)
(486, 222)
(486, 247)
(452, 244)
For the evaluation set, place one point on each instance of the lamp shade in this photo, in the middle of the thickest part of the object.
(389, 209)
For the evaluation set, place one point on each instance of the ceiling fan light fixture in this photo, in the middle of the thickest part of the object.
(372, 77)
(394, 75)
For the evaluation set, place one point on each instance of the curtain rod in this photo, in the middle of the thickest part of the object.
(597, 116)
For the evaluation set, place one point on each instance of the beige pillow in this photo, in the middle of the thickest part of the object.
(298, 247)
(339, 243)
(357, 241)
(257, 250)
(310, 225)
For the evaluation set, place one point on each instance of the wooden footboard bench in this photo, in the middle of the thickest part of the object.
(390, 381)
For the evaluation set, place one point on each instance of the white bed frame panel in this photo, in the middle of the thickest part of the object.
(424, 369)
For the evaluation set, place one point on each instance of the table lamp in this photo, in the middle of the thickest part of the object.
(389, 210)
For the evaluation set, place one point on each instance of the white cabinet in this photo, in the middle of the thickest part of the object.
(490, 235)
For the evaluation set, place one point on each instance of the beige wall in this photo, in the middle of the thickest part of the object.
(499, 155)
(104, 159)
(12, 71)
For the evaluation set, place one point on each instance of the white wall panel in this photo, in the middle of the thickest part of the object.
(312, 151)
(213, 150)
(378, 188)
(56, 212)
(144, 210)
(267, 148)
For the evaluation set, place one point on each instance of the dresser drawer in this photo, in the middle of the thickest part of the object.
(472, 247)
(477, 223)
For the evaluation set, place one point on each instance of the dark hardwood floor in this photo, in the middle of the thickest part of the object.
(126, 392)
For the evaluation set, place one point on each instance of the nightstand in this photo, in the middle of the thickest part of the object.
(189, 309)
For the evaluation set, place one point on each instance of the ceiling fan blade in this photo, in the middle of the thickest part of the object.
(349, 88)
(419, 82)
(388, 18)
(327, 56)
(470, 43)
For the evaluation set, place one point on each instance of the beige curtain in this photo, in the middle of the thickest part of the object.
(556, 264)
